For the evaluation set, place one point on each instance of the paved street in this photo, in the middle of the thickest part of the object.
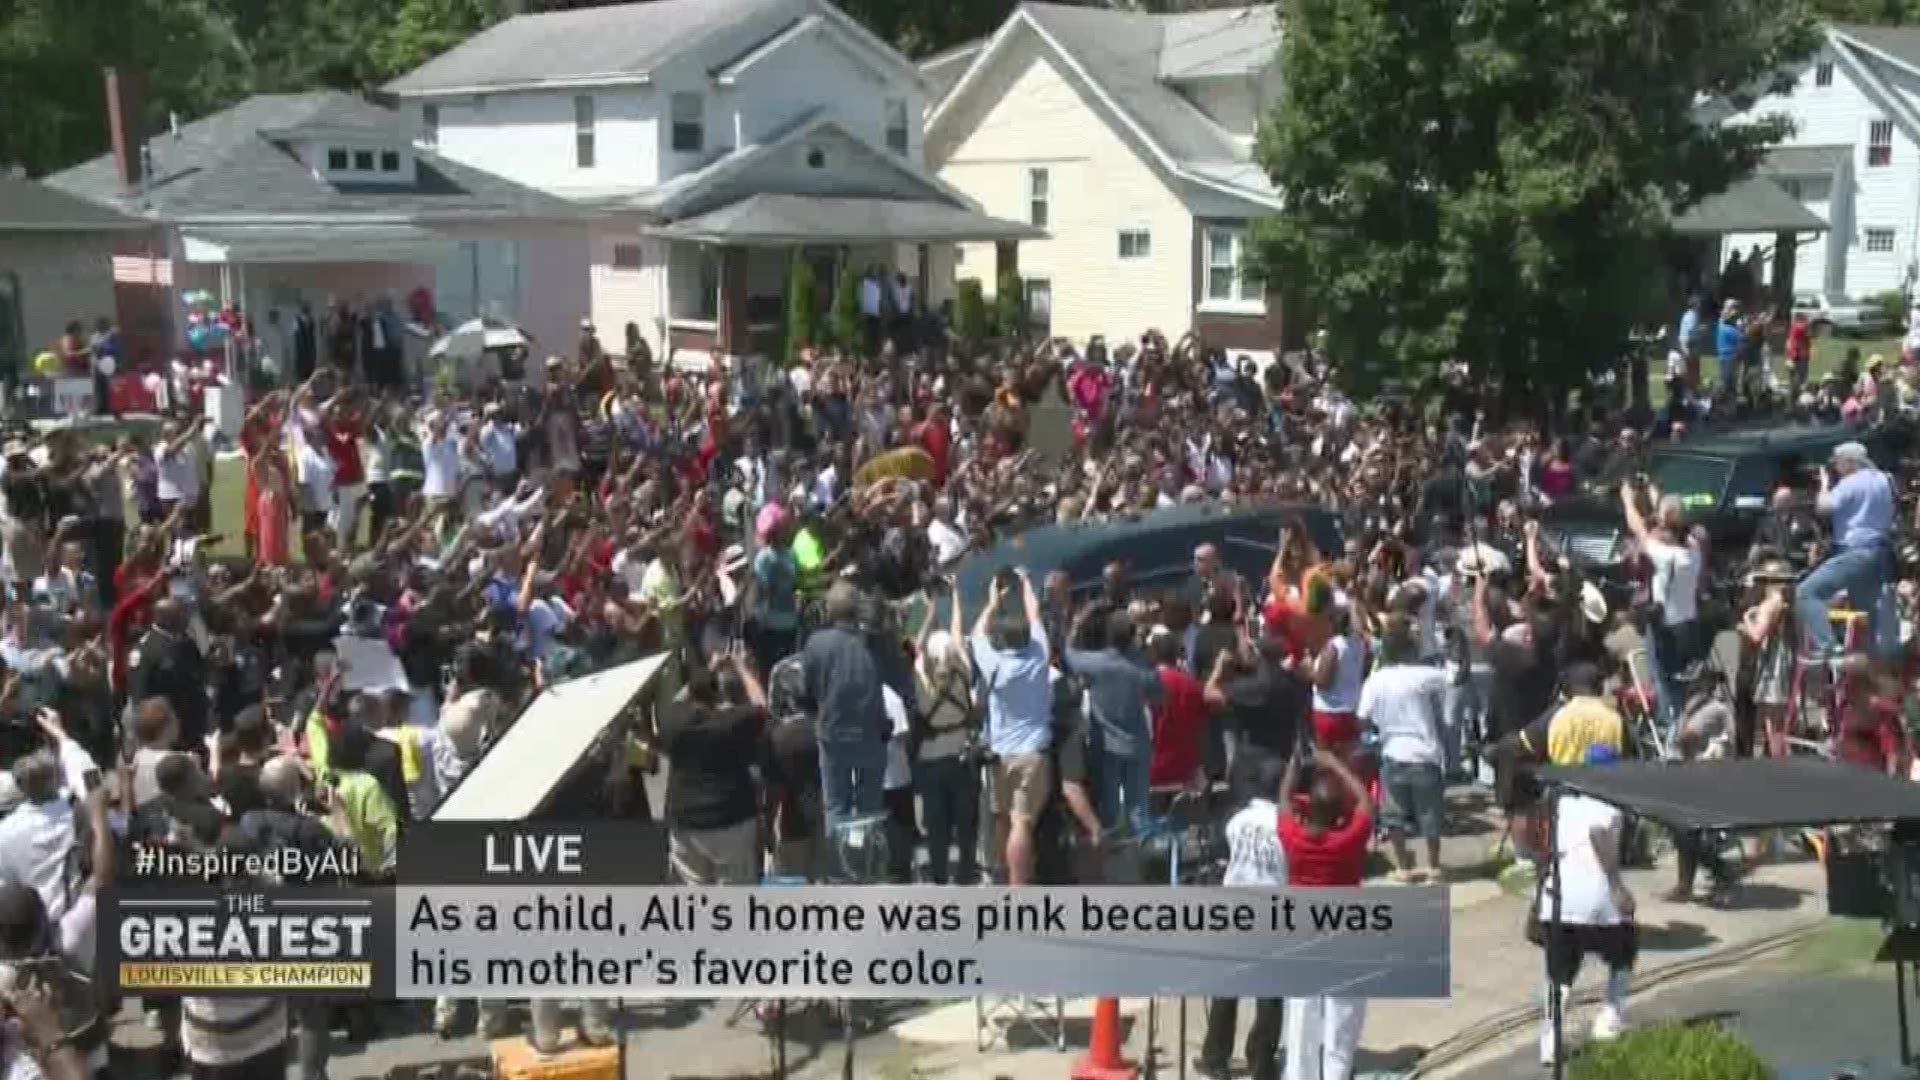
(1801, 1020)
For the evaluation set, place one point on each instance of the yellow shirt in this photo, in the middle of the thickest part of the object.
(1582, 723)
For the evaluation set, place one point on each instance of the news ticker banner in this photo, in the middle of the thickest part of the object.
(516, 911)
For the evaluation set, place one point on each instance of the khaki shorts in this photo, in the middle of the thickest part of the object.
(1020, 785)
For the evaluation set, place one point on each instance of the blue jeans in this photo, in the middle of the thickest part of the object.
(851, 777)
(1467, 703)
(1865, 575)
(1124, 780)
(1670, 649)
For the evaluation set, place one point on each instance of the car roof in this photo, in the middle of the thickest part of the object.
(1767, 439)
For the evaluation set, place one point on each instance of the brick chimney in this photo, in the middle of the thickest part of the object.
(126, 109)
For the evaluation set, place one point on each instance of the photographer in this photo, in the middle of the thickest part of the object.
(1013, 662)
(948, 753)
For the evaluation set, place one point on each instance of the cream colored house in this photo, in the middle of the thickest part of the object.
(1128, 137)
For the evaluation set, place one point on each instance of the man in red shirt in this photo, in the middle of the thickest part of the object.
(935, 436)
(1179, 719)
(1325, 839)
(342, 427)
(1799, 355)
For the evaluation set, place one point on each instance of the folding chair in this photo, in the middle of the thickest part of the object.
(996, 1017)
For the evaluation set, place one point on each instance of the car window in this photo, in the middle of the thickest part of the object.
(1699, 482)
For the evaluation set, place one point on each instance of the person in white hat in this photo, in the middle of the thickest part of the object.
(1861, 503)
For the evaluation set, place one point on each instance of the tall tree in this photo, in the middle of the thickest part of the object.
(1875, 12)
(1488, 180)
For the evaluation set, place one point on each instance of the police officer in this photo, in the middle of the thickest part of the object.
(167, 664)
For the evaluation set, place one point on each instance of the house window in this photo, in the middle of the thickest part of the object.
(1136, 243)
(1880, 240)
(389, 161)
(689, 123)
(336, 160)
(1823, 73)
(1039, 304)
(709, 309)
(363, 161)
(430, 125)
(897, 125)
(626, 256)
(1791, 187)
(1227, 279)
(1039, 186)
(583, 131)
(1880, 143)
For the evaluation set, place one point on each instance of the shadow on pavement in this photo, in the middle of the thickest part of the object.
(1675, 937)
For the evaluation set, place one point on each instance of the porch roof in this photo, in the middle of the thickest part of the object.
(1755, 204)
(771, 219)
(314, 243)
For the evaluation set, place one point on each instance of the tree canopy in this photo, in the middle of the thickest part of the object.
(1488, 180)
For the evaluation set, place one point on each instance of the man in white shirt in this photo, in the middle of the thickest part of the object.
(1593, 912)
(499, 449)
(1676, 640)
(948, 542)
(1255, 860)
(179, 478)
(440, 459)
(1404, 700)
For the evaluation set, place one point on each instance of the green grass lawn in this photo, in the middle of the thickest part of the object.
(229, 492)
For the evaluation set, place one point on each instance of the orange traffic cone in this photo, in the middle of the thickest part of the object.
(1102, 1060)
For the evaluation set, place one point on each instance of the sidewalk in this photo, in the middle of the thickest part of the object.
(1495, 976)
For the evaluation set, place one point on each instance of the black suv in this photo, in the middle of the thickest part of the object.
(1724, 478)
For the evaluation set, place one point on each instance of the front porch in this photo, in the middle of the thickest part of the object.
(727, 270)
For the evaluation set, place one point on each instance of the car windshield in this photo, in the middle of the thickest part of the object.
(1697, 481)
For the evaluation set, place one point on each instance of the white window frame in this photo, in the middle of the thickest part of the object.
(1823, 73)
(430, 125)
(899, 136)
(697, 123)
(1039, 197)
(1876, 129)
(1239, 284)
(584, 128)
(1869, 236)
(1142, 247)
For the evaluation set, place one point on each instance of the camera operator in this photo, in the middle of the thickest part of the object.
(843, 686)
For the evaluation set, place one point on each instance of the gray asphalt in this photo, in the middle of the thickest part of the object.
(1807, 1024)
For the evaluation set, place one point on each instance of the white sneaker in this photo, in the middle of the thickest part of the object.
(1608, 1024)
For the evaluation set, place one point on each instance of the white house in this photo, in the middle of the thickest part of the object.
(1128, 137)
(713, 139)
(1853, 160)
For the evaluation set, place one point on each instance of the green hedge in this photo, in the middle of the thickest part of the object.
(1671, 1051)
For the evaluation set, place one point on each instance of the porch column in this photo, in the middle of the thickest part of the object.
(734, 340)
(1006, 258)
(1786, 255)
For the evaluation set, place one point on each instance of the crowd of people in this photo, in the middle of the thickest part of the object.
(789, 536)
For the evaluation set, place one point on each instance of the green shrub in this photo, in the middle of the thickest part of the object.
(1893, 308)
(1009, 308)
(849, 329)
(801, 329)
(1671, 1051)
(970, 312)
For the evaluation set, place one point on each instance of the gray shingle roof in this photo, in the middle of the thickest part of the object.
(1226, 41)
(619, 39)
(943, 69)
(1794, 161)
(1755, 204)
(799, 219)
(26, 206)
(1900, 42)
(1124, 53)
(232, 163)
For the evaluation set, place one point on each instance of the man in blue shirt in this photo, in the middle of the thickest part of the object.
(1727, 339)
(1014, 664)
(1120, 690)
(1861, 505)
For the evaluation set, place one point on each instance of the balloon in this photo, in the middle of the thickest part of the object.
(197, 336)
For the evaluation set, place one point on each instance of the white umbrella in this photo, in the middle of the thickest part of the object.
(471, 338)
